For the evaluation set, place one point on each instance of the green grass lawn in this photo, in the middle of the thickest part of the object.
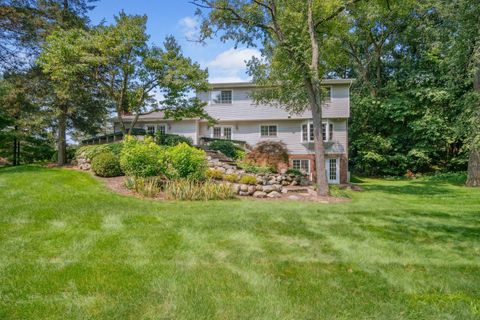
(70, 248)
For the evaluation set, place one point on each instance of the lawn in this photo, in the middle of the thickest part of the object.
(71, 249)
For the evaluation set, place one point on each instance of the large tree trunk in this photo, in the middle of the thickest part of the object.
(313, 83)
(473, 178)
(62, 138)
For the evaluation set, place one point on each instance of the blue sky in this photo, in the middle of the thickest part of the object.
(170, 17)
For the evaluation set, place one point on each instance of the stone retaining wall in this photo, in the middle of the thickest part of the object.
(268, 185)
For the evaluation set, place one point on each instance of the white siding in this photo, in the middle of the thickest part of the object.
(242, 107)
(288, 131)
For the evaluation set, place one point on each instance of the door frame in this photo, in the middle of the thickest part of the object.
(327, 169)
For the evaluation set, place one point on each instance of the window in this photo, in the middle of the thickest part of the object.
(227, 133)
(327, 91)
(162, 129)
(268, 131)
(150, 130)
(308, 134)
(222, 97)
(301, 165)
(222, 132)
(217, 132)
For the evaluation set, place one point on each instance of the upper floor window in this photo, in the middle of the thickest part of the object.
(327, 92)
(308, 134)
(268, 131)
(222, 97)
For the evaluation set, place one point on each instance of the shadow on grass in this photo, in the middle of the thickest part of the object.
(418, 187)
(22, 169)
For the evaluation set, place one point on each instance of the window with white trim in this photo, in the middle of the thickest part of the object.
(308, 132)
(301, 165)
(268, 131)
(150, 129)
(222, 97)
(222, 132)
(327, 91)
(162, 129)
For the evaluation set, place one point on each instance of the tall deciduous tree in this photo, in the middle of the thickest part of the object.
(297, 49)
(140, 78)
(77, 102)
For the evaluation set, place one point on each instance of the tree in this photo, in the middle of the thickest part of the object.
(134, 74)
(23, 123)
(77, 101)
(297, 49)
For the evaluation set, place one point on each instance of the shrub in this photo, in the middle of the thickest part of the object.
(224, 146)
(251, 168)
(268, 154)
(91, 151)
(231, 177)
(294, 172)
(248, 180)
(172, 139)
(106, 164)
(240, 154)
(214, 174)
(147, 187)
(142, 158)
(186, 162)
(185, 189)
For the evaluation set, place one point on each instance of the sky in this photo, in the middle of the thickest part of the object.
(177, 18)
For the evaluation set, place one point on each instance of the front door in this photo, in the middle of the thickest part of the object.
(333, 170)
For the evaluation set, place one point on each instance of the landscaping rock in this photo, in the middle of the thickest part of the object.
(294, 198)
(260, 194)
(274, 194)
(251, 189)
(268, 189)
(277, 187)
(244, 187)
(244, 193)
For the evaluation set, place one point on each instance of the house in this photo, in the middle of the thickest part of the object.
(238, 118)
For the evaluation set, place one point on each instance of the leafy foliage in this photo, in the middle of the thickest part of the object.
(172, 139)
(270, 154)
(91, 151)
(214, 174)
(246, 179)
(142, 158)
(185, 189)
(186, 162)
(106, 164)
(224, 146)
(230, 177)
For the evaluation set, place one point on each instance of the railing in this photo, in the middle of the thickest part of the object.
(207, 140)
(113, 137)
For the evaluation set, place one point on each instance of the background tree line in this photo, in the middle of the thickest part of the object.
(415, 104)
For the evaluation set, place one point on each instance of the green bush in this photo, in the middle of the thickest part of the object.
(214, 174)
(294, 172)
(106, 164)
(251, 168)
(171, 140)
(142, 158)
(248, 180)
(224, 146)
(186, 162)
(185, 189)
(231, 177)
(91, 151)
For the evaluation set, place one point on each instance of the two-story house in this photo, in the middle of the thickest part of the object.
(238, 118)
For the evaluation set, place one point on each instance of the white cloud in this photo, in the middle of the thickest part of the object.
(230, 65)
(190, 27)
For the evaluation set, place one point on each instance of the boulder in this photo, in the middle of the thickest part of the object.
(274, 194)
(293, 197)
(267, 189)
(258, 187)
(244, 193)
(260, 194)
(251, 189)
(244, 187)
(277, 187)
(236, 188)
